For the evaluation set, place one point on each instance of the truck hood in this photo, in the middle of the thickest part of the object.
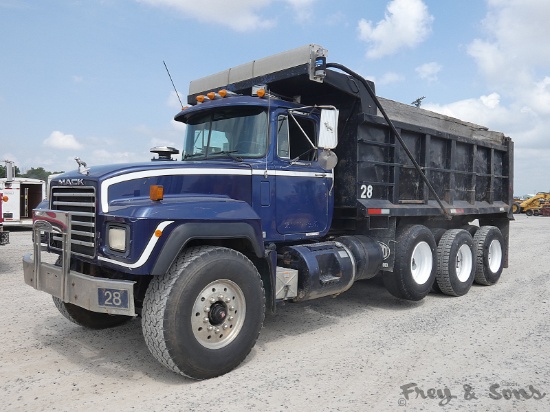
(131, 182)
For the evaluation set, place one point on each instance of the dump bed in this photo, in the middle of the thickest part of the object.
(469, 167)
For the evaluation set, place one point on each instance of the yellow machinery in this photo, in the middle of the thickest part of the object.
(533, 205)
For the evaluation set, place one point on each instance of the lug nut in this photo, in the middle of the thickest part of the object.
(212, 300)
(225, 326)
(205, 320)
(207, 308)
(217, 330)
(210, 328)
(227, 300)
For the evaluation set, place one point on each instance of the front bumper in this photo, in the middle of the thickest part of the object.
(112, 296)
(79, 289)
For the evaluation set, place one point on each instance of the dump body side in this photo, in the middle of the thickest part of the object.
(469, 167)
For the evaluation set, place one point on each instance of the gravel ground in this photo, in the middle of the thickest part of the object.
(364, 350)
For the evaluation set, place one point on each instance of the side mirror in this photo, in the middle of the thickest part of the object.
(327, 159)
(328, 134)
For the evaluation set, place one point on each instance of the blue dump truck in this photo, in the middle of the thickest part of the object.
(294, 181)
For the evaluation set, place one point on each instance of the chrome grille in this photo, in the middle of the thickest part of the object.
(80, 202)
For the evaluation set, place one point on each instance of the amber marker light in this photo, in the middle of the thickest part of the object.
(156, 192)
(5, 199)
(201, 98)
(158, 233)
(260, 93)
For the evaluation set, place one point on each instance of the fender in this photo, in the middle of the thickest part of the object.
(182, 234)
(192, 217)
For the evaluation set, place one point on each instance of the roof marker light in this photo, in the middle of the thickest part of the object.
(226, 93)
(212, 95)
(259, 90)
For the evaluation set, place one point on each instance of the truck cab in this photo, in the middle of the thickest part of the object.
(288, 182)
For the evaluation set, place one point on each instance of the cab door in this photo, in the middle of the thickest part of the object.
(303, 188)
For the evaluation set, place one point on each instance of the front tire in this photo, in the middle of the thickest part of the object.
(202, 318)
(455, 262)
(87, 318)
(414, 269)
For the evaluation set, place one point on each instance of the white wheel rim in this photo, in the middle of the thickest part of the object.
(494, 256)
(219, 329)
(421, 263)
(464, 263)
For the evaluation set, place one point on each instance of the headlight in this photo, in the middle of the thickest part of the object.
(117, 238)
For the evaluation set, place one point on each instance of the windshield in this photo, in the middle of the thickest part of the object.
(229, 132)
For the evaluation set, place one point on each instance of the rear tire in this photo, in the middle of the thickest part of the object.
(414, 269)
(489, 245)
(202, 318)
(455, 262)
(87, 318)
(516, 208)
(529, 212)
(438, 234)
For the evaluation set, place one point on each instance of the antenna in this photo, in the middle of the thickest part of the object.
(173, 85)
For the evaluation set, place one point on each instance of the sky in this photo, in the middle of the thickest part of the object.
(86, 77)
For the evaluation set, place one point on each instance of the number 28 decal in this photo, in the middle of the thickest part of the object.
(366, 191)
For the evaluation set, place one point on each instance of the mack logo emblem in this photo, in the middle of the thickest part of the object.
(71, 182)
(386, 251)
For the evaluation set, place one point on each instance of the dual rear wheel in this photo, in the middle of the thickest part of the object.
(447, 260)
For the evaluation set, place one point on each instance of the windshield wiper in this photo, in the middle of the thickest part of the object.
(189, 155)
(228, 153)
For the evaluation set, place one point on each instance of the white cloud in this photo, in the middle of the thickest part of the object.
(429, 71)
(303, 9)
(239, 15)
(406, 24)
(515, 50)
(390, 78)
(102, 156)
(485, 110)
(59, 140)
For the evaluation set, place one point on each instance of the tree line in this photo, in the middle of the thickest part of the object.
(32, 173)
